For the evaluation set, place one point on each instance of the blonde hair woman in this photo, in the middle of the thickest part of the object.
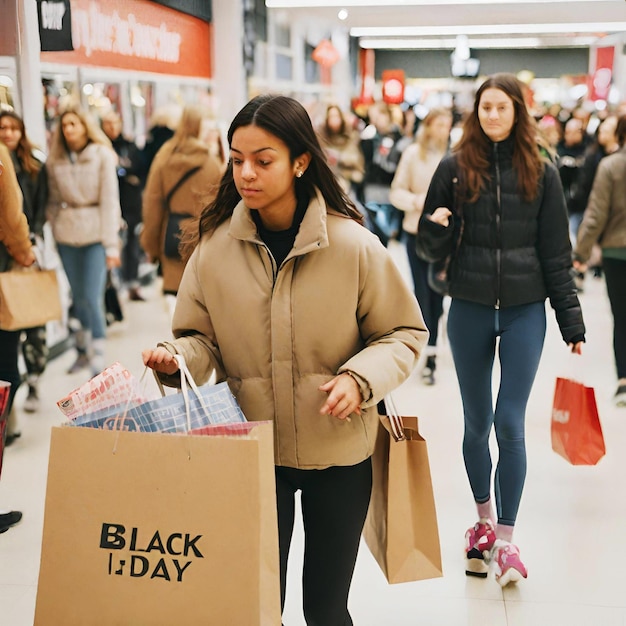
(183, 170)
(408, 193)
(84, 211)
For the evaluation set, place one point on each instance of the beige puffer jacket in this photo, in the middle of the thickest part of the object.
(83, 198)
(338, 303)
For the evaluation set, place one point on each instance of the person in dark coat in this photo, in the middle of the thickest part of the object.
(497, 208)
(129, 169)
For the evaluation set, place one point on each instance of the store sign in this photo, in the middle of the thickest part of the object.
(602, 77)
(55, 24)
(137, 35)
(393, 86)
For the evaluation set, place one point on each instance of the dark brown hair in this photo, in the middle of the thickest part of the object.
(474, 148)
(24, 150)
(288, 120)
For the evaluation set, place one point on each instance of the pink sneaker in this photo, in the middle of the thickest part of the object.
(507, 565)
(479, 540)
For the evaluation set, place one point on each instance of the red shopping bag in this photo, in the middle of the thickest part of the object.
(5, 390)
(576, 430)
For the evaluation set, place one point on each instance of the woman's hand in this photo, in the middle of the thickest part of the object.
(441, 215)
(576, 348)
(113, 262)
(344, 397)
(160, 360)
(27, 258)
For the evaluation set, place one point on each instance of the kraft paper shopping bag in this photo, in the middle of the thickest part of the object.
(156, 529)
(401, 527)
(576, 431)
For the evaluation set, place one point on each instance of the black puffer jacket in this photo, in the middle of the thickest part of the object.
(511, 251)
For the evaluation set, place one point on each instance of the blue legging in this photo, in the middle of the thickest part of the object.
(473, 330)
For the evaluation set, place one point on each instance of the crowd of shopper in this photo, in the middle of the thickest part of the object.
(514, 209)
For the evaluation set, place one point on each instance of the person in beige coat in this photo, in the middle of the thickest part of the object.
(408, 192)
(604, 222)
(302, 310)
(184, 154)
(85, 215)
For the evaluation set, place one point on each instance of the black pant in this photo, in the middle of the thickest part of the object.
(431, 302)
(334, 507)
(615, 277)
(9, 370)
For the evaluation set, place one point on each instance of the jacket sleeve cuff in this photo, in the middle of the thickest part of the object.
(364, 388)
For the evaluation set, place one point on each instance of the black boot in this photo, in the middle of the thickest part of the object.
(428, 373)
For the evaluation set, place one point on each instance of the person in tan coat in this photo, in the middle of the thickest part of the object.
(604, 223)
(184, 154)
(289, 298)
(14, 244)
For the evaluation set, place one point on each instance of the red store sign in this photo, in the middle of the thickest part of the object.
(137, 35)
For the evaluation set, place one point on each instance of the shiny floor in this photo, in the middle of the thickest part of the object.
(571, 526)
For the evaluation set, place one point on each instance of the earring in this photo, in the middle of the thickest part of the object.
(299, 174)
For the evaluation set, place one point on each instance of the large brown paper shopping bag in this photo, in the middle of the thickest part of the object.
(153, 529)
(575, 429)
(401, 527)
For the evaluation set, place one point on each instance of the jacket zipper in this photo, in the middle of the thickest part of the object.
(498, 226)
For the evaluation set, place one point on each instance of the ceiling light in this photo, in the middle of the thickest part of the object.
(477, 44)
(285, 4)
(343, 14)
(486, 29)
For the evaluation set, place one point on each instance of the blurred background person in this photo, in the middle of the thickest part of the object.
(33, 182)
(408, 193)
(162, 126)
(129, 168)
(604, 222)
(605, 143)
(341, 146)
(84, 212)
(185, 155)
(570, 154)
(15, 246)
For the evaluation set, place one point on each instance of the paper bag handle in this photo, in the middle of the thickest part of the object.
(186, 379)
(395, 420)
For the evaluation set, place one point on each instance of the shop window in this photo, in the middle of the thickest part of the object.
(284, 70)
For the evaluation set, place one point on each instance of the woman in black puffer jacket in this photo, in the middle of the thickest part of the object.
(497, 208)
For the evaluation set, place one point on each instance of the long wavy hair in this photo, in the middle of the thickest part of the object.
(287, 120)
(58, 145)
(25, 148)
(424, 138)
(474, 148)
(190, 124)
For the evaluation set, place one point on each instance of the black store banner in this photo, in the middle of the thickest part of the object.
(55, 25)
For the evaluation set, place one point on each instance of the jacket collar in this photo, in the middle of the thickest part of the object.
(312, 234)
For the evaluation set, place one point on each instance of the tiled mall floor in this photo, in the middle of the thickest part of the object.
(571, 526)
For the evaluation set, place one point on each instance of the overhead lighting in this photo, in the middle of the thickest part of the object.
(343, 14)
(486, 29)
(477, 44)
(293, 4)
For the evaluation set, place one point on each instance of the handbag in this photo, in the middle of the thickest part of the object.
(172, 229)
(29, 297)
(438, 273)
(576, 431)
(401, 528)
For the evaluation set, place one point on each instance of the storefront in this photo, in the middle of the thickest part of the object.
(134, 57)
